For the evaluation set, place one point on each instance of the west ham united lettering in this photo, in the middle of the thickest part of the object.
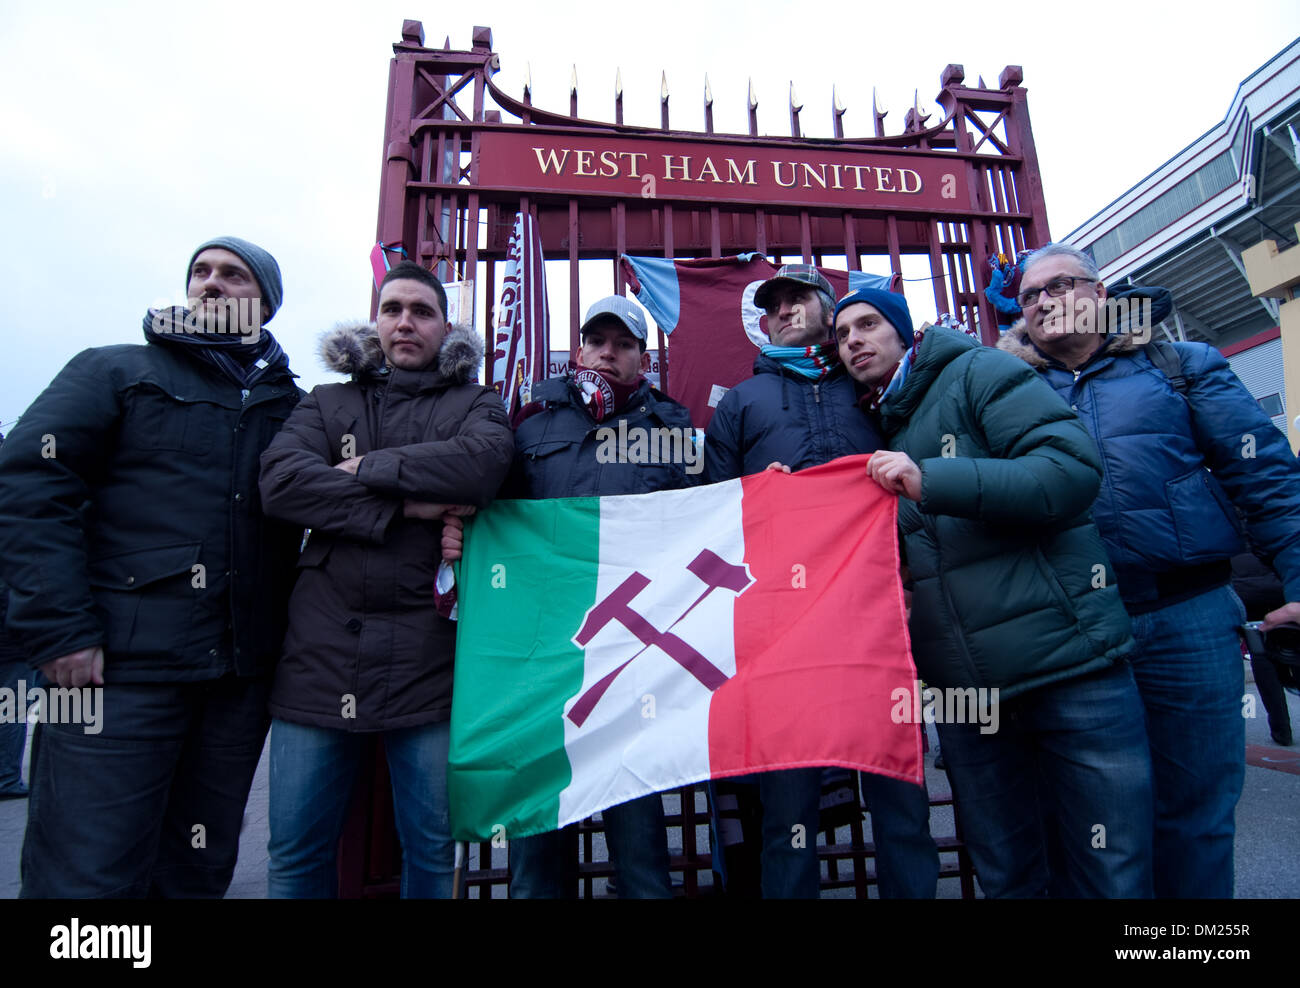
(721, 172)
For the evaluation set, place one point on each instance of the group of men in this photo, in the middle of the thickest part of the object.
(1065, 513)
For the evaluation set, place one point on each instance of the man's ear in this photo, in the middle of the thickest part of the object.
(645, 361)
(576, 356)
(1101, 292)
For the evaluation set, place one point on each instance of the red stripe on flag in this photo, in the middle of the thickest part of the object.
(821, 637)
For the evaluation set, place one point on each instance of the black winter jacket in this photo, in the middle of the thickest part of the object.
(130, 517)
(563, 452)
(366, 650)
(780, 416)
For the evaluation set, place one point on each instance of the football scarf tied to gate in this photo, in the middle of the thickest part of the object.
(674, 637)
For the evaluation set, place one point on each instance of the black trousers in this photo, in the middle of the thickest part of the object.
(147, 802)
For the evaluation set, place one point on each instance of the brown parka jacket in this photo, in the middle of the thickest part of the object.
(366, 650)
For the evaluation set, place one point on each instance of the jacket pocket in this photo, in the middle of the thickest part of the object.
(315, 551)
(1203, 520)
(146, 597)
(156, 419)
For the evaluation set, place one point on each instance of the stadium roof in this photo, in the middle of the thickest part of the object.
(1184, 226)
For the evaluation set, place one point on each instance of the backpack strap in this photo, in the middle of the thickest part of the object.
(1166, 358)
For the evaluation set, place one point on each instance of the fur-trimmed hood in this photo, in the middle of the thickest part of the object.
(1016, 342)
(353, 348)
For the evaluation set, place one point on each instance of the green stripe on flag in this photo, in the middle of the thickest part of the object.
(528, 566)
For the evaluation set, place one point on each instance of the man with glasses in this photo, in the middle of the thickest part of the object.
(1182, 441)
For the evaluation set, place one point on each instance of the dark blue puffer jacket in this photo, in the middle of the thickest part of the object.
(1160, 509)
(780, 416)
(562, 451)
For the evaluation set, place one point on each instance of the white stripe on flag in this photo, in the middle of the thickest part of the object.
(650, 730)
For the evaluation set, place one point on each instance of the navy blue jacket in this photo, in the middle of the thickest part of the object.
(562, 451)
(1160, 509)
(780, 416)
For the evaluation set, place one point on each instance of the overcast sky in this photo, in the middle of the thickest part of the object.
(132, 132)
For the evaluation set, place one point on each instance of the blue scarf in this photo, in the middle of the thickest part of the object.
(813, 362)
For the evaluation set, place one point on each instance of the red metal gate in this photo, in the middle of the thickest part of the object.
(461, 157)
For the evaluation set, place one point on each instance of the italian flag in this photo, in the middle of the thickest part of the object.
(613, 647)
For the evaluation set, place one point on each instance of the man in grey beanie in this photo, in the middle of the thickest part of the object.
(149, 589)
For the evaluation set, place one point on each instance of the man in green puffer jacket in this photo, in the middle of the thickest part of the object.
(1013, 601)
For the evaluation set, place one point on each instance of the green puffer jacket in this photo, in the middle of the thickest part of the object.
(1012, 587)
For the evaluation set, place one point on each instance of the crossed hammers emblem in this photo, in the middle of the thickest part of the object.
(713, 571)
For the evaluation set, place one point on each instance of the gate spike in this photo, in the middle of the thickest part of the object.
(528, 82)
(982, 86)
(753, 100)
(878, 114)
(573, 79)
(618, 83)
(753, 109)
(837, 111)
(663, 87)
(795, 107)
(708, 105)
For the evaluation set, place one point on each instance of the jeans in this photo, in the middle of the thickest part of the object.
(1189, 671)
(13, 736)
(907, 860)
(542, 867)
(313, 772)
(791, 802)
(152, 804)
(1058, 801)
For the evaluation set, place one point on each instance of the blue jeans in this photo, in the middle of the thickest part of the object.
(907, 860)
(1190, 673)
(13, 736)
(1058, 801)
(313, 771)
(791, 806)
(541, 867)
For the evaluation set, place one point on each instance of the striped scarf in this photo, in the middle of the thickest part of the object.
(244, 363)
(813, 362)
(873, 399)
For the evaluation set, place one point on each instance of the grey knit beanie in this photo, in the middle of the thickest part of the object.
(261, 263)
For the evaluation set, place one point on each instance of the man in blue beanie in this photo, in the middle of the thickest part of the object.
(149, 589)
(1017, 627)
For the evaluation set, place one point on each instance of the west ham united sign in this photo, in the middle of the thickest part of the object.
(718, 172)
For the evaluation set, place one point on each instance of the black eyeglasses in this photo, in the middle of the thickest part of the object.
(1054, 288)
